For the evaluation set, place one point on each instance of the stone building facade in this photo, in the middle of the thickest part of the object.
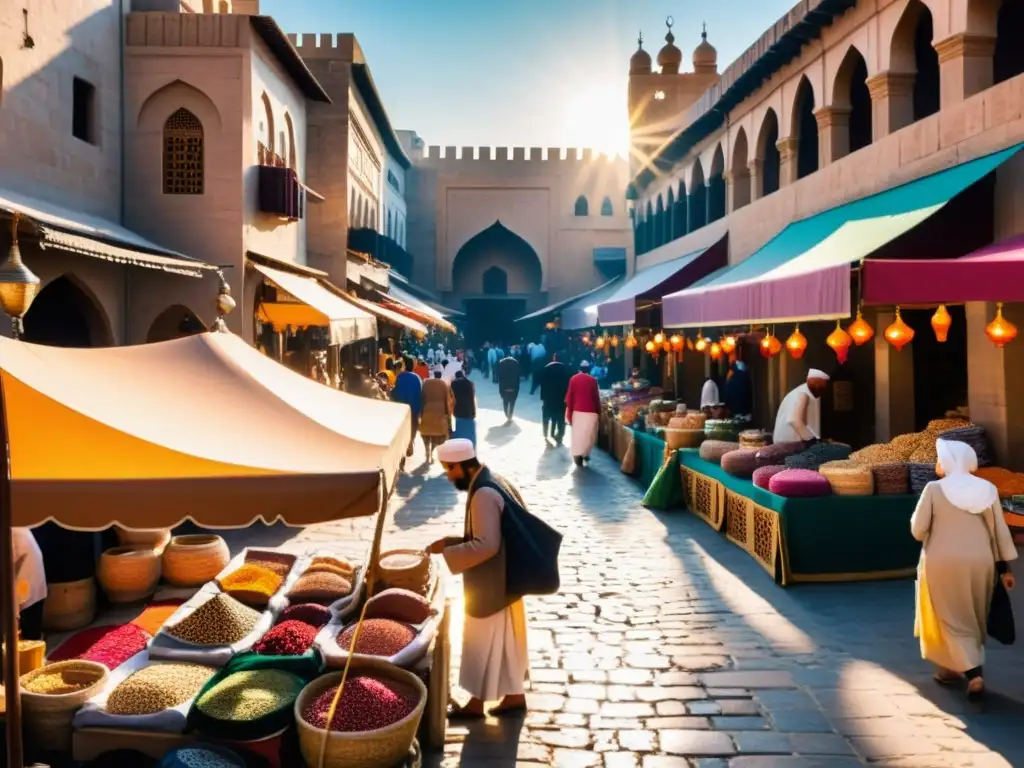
(885, 92)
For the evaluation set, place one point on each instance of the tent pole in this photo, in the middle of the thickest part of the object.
(9, 600)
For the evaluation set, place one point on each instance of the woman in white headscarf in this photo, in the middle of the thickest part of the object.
(967, 546)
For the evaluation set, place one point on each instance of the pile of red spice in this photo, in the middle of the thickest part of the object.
(367, 704)
(308, 613)
(289, 638)
(110, 646)
(378, 637)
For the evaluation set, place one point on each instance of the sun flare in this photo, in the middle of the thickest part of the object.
(597, 118)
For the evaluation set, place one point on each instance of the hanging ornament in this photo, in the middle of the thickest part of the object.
(702, 343)
(899, 334)
(614, 341)
(860, 330)
(770, 346)
(666, 345)
(659, 338)
(631, 341)
(716, 351)
(729, 344)
(840, 342)
(689, 344)
(1000, 331)
(796, 344)
(677, 342)
(941, 321)
(600, 342)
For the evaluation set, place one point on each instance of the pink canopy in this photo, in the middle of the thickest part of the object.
(993, 273)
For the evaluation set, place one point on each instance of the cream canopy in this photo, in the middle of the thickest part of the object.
(203, 428)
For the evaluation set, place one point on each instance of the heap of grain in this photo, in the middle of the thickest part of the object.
(378, 637)
(367, 704)
(250, 695)
(221, 620)
(156, 688)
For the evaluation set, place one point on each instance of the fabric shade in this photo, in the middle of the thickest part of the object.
(582, 313)
(203, 428)
(655, 282)
(994, 273)
(406, 301)
(553, 309)
(803, 273)
(347, 322)
(390, 316)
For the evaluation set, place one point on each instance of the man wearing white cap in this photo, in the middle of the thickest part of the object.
(799, 417)
(495, 662)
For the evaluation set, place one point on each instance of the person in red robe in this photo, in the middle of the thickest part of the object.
(582, 409)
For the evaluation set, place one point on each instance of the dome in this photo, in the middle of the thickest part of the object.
(705, 57)
(670, 58)
(640, 62)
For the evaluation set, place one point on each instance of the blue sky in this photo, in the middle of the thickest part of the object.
(547, 73)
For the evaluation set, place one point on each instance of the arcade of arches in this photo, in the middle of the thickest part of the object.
(66, 314)
(173, 323)
(494, 275)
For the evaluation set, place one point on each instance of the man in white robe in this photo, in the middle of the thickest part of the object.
(495, 661)
(799, 417)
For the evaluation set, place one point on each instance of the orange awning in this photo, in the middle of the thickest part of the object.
(389, 315)
(203, 428)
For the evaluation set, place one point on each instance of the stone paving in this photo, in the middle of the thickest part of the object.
(669, 647)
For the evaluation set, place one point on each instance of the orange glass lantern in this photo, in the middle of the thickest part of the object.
(614, 341)
(677, 342)
(651, 347)
(659, 338)
(667, 345)
(899, 334)
(840, 342)
(770, 346)
(600, 342)
(716, 351)
(941, 321)
(860, 330)
(1000, 331)
(701, 344)
(689, 344)
(796, 344)
(631, 342)
(729, 344)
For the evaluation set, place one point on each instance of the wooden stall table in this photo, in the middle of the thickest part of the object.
(650, 456)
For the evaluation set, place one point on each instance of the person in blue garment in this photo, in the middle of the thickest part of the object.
(464, 393)
(739, 392)
(409, 390)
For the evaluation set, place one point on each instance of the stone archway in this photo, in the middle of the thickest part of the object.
(497, 276)
(175, 322)
(67, 314)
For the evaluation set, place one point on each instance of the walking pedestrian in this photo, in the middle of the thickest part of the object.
(464, 393)
(409, 390)
(508, 385)
(492, 364)
(538, 356)
(582, 408)
(554, 386)
(495, 661)
(967, 547)
(436, 415)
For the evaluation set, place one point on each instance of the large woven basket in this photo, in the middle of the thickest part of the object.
(129, 574)
(381, 748)
(153, 538)
(684, 438)
(407, 569)
(847, 479)
(891, 479)
(193, 560)
(69, 605)
(48, 716)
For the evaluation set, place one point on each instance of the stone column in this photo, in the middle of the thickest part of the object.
(833, 134)
(892, 102)
(965, 66)
(787, 160)
(730, 192)
(756, 169)
(986, 380)
(894, 383)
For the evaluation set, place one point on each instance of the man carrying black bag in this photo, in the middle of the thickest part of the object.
(504, 554)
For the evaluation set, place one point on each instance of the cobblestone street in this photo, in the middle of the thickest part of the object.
(670, 647)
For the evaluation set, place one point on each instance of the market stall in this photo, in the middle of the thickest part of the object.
(207, 429)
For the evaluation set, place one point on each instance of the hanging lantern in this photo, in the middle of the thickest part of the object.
(667, 345)
(840, 342)
(770, 346)
(860, 330)
(652, 348)
(796, 344)
(1000, 331)
(899, 334)
(600, 342)
(677, 342)
(659, 338)
(702, 343)
(689, 344)
(614, 341)
(716, 351)
(631, 342)
(941, 321)
(729, 344)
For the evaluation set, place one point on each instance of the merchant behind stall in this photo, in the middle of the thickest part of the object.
(30, 581)
(799, 417)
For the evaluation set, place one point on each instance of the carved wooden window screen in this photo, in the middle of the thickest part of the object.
(183, 154)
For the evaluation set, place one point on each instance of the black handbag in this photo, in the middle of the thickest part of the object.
(1000, 626)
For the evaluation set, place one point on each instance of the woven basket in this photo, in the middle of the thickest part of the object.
(920, 476)
(414, 574)
(755, 438)
(129, 574)
(48, 716)
(193, 560)
(69, 605)
(684, 438)
(381, 748)
(151, 538)
(891, 479)
(31, 655)
(847, 480)
(714, 450)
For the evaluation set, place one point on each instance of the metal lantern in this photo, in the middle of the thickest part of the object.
(941, 321)
(1000, 331)
(840, 342)
(631, 342)
(659, 338)
(770, 346)
(716, 351)
(702, 343)
(18, 284)
(796, 344)
(677, 342)
(729, 344)
(899, 334)
(614, 341)
(860, 330)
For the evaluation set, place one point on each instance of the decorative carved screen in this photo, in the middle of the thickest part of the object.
(183, 154)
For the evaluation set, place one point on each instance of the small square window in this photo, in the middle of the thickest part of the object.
(83, 111)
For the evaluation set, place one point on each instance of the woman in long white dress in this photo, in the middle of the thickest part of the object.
(967, 546)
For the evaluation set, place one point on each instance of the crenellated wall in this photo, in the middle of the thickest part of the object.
(433, 153)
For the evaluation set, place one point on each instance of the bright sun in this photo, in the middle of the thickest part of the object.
(597, 118)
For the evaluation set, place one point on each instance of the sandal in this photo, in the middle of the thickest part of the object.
(513, 711)
(945, 677)
(455, 712)
(976, 689)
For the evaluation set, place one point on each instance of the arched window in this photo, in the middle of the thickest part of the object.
(1008, 60)
(659, 223)
(606, 207)
(768, 153)
(740, 171)
(183, 154)
(267, 132)
(679, 213)
(291, 141)
(805, 127)
(852, 94)
(582, 209)
(698, 214)
(495, 282)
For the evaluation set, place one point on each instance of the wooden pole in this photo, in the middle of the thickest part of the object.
(9, 600)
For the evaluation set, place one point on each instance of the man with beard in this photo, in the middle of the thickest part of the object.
(553, 387)
(495, 661)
